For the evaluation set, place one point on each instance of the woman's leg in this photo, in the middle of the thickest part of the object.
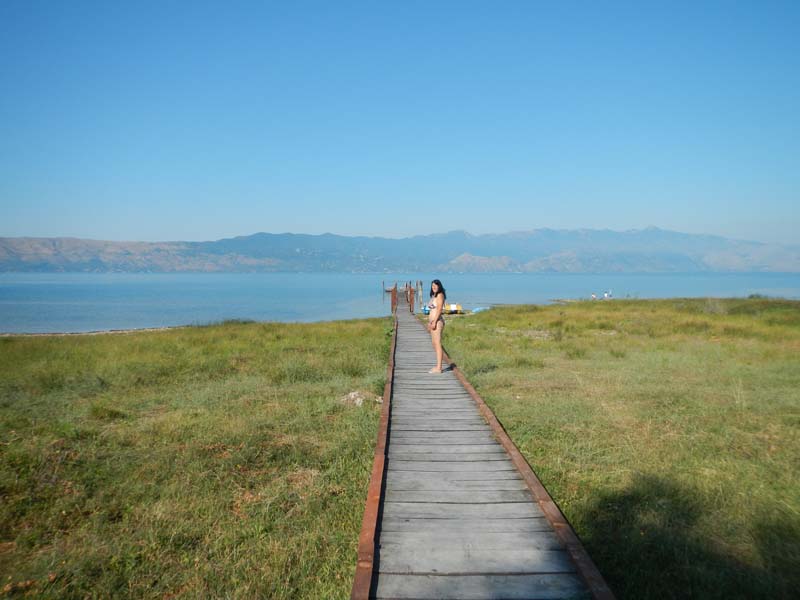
(436, 338)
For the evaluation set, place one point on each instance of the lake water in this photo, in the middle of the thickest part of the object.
(75, 302)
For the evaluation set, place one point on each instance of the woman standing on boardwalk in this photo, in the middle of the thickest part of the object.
(436, 321)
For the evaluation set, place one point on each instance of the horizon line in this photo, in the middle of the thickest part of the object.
(405, 237)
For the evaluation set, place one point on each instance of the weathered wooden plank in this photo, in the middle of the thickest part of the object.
(456, 476)
(423, 379)
(435, 457)
(434, 410)
(452, 447)
(466, 539)
(442, 427)
(451, 526)
(428, 398)
(443, 388)
(394, 464)
(437, 436)
(423, 375)
(438, 484)
(412, 385)
(432, 510)
(415, 383)
(409, 389)
(421, 368)
(449, 422)
(426, 402)
(431, 402)
(434, 419)
(442, 438)
(454, 420)
(443, 560)
(437, 415)
(447, 451)
(428, 392)
(418, 369)
(444, 394)
(427, 395)
(400, 393)
(479, 587)
(455, 442)
(460, 496)
(454, 423)
(453, 437)
(426, 408)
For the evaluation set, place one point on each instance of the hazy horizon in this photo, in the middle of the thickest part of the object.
(403, 237)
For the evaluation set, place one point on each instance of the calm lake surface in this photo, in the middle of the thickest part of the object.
(76, 302)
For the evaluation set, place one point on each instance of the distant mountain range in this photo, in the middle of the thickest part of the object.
(650, 250)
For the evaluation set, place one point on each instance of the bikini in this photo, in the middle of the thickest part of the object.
(432, 305)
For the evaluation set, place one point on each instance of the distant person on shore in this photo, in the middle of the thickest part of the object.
(436, 321)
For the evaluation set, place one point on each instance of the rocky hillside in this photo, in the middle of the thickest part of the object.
(649, 250)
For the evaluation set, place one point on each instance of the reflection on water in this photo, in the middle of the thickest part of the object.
(47, 302)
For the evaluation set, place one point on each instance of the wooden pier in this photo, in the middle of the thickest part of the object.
(454, 510)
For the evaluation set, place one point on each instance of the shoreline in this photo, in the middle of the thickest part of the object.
(551, 301)
(97, 332)
(4, 334)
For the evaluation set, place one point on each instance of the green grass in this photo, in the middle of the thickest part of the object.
(202, 462)
(667, 431)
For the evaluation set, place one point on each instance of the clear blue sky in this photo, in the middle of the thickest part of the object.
(196, 121)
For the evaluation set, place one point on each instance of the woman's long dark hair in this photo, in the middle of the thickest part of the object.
(441, 288)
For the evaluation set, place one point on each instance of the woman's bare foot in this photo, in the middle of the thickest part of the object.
(435, 370)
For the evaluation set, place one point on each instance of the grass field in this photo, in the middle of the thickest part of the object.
(214, 461)
(221, 461)
(667, 431)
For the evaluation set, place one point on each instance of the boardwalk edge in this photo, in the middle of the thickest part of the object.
(366, 541)
(585, 566)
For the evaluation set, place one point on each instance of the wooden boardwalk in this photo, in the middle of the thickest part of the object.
(457, 517)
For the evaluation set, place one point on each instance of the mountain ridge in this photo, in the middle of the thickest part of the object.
(651, 250)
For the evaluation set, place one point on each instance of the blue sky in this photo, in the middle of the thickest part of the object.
(197, 121)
